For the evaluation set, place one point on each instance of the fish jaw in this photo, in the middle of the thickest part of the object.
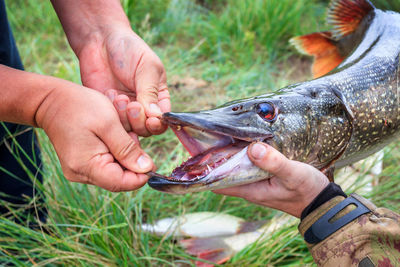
(219, 153)
(237, 170)
(299, 121)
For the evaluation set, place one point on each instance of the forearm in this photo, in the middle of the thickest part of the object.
(85, 20)
(22, 93)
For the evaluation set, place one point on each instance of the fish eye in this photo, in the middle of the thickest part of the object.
(266, 111)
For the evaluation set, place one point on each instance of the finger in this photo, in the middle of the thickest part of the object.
(163, 96)
(111, 94)
(134, 136)
(291, 173)
(271, 160)
(137, 119)
(148, 81)
(242, 191)
(107, 174)
(120, 104)
(125, 149)
(155, 125)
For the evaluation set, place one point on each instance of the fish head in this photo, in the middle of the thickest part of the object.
(295, 123)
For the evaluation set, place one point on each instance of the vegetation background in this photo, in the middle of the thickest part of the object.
(214, 51)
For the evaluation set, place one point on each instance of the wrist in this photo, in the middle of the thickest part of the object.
(307, 195)
(22, 95)
(62, 94)
(96, 37)
(89, 21)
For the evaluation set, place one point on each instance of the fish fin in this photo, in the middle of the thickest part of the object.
(246, 227)
(212, 249)
(323, 48)
(346, 15)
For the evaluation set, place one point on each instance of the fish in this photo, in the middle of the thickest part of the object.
(348, 111)
(216, 237)
(197, 225)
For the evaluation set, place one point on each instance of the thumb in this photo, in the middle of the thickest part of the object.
(270, 160)
(126, 149)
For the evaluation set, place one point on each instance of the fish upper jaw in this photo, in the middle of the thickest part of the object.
(218, 159)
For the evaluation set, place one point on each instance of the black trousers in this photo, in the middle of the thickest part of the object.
(20, 164)
(15, 166)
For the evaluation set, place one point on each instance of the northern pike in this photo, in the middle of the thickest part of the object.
(348, 112)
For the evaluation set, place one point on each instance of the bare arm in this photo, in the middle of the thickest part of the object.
(85, 21)
(21, 95)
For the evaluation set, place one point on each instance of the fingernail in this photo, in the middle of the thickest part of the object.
(258, 151)
(155, 109)
(134, 112)
(121, 105)
(143, 162)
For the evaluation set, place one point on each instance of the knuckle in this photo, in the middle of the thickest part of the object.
(276, 164)
(128, 148)
(163, 94)
(107, 121)
(151, 92)
(74, 167)
(76, 177)
(114, 188)
(158, 65)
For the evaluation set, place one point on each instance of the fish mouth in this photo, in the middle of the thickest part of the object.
(215, 155)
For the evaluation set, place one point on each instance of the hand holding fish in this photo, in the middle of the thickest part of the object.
(91, 150)
(117, 62)
(138, 76)
(293, 186)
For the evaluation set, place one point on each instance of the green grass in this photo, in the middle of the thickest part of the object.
(240, 49)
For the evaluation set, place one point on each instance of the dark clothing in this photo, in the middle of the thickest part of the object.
(15, 181)
(8, 50)
(331, 191)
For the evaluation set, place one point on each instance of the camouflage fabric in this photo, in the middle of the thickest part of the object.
(372, 239)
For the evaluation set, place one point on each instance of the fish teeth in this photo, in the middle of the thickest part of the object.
(208, 168)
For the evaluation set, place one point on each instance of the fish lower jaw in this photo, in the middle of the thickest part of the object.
(237, 170)
(204, 164)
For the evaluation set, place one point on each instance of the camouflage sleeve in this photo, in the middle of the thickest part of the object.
(373, 239)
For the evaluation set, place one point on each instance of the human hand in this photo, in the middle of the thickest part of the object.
(292, 188)
(90, 141)
(118, 63)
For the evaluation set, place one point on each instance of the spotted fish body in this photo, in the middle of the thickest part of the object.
(350, 111)
(370, 82)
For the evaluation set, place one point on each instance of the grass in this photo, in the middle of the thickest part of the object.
(239, 48)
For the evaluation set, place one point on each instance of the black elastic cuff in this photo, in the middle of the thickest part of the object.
(331, 190)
